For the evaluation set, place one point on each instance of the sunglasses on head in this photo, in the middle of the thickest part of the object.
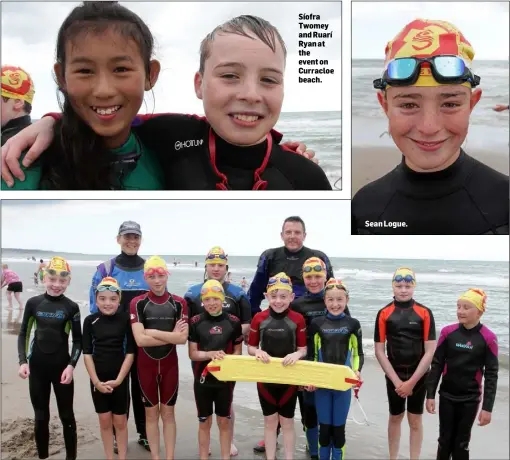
(406, 278)
(217, 256)
(315, 268)
(155, 270)
(210, 289)
(107, 287)
(273, 281)
(445, 69)
(53, 272)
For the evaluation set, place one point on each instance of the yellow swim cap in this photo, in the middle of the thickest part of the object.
(336, 283)
(477, 297)
(153, 263)
(216, 255)
(17, 84)
(212, 288)
(58, 266)
(426, 38)
(314, 266)
(404, 274)
(279, 281)
(109, 284)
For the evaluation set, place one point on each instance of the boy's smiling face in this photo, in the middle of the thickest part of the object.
(242, 87)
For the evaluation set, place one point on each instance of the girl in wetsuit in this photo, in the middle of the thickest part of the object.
(108, 349)
(49, 363)
(465, 351)
(337, 340)
(281, 333)
(213, 333)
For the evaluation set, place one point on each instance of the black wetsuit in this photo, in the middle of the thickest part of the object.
(108, 338)
(184, 155)
(53, 318)
(467, 198)
(14, 126)
(213, 333)
(277, 260)
(461, 358)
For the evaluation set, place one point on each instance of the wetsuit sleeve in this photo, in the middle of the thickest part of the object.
(76, 333)
(254, 337)
(491, 373)
(130, 340)
(245, 309)
(380, 327)
(133, 311)
(329, 266)
(437, 366)
(184, 310)
(429, 329)
(238, 333)
(301, 331)
(87, 339)
(96, 279)
(259, 283)
(24, 331)
(358, 358)
(192, 310)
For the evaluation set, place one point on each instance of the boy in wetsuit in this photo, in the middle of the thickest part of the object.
(281, 333)
(160, 322)
(213, 333)
(337, 340)
(108, 353)
(465, 351)
(49, 363)
(408, 330)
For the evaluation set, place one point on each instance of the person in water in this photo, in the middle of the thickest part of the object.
(14, 285)
(428, 91)
(103, 150)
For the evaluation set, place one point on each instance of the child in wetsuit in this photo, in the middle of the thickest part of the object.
(53, 315)
(281, 333)
(108, 349)
(212, 334)
(337, 340)
(465, 351)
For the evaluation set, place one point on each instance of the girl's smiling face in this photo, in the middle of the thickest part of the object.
(105, 79)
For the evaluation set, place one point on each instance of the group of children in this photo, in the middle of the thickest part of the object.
(317, 326)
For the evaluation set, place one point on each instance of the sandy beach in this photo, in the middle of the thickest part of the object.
(363, 442)
(371, 163)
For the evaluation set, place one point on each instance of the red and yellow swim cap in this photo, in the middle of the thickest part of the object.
(314, 266)
(477, 297)
(279, 281)
(17, 84)
(58, 266)
(426, 38)
(216, 255)
(212, 288)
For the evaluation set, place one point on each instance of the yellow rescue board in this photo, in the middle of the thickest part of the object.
(249, 369)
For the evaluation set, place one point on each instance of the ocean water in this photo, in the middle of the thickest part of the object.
(493, 126)
(439, 284)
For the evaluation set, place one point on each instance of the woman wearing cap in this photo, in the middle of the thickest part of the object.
(53, 315)
(428, 91)
(465, 351)
(213, 333)
(108, 352)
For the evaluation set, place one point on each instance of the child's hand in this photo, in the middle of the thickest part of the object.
(67, 376)
(103, 388)
(310, 388)
(262, 356)
(358, 375)
(112, 384)
(484, 418)
(218, 354)
(291, 358)
(24, 371)
(430, 405)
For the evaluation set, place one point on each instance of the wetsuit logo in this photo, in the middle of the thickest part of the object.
(464, 345)
(216, 330)
(189, 143)
(59, 314)
(341, 330)
(132, 316)
(132, 283)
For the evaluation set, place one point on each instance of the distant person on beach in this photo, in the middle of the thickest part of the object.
(17, 97)
(501, 107)
(108, 353)
(109, 147)
(160, 322)
(40, 269)
(407, 330)
(127, 269)
(205, 346)
(14, 285)
(244, 284)
(288, 258)
(465, 351)
(337, 339)
(278, 332)
(428, 91)
(53, 315)
(235, 302)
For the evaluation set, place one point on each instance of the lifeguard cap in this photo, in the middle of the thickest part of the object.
(17, 84)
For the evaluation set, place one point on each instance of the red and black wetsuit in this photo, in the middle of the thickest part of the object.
(405, 327)
(213, 333)
(463, 356)
(158, 371)
(278, 334)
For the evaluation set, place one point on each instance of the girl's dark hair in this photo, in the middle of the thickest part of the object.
(78, 158)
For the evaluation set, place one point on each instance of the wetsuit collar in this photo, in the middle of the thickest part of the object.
(17, 123)
(159, 299)
(399, 304)
(128, 261)
(337, 317)
(311, 295)
(214, 318)
(473, 329)
(53, 298)
(293, 253)
(283, 314)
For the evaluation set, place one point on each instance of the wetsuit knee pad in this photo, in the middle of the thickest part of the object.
(325, 434)
(339, 436)
(42, 415)
(310, 416)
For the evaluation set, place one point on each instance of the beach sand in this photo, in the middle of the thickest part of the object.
(363, 442)
(371, 163)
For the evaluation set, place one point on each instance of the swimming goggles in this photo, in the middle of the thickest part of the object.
(216, 256)
(275, 280)
(155, 270)
(205, 290)
(334, 283)
(407, 279)
(53, 272)
(107, 287)
(315, 268)
(445, 69)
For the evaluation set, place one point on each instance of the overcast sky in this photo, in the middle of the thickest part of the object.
(29, 32)
(484, 24)
(241, 227)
